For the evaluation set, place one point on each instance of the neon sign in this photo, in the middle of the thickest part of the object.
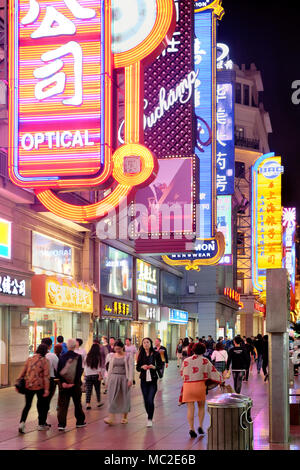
(266, 218)
(61, 61)
(289, 248)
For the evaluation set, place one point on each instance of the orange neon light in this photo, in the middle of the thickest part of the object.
(80, 169)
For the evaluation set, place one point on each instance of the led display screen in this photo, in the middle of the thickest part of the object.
(289, 223)
(51, 255)
(147, 283)
(224, 214)
(115, 272)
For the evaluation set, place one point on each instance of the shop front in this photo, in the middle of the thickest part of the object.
(172, 327)
(116, 299)
(63, 307)
(15, 301)
(147, 325)
(115, 319)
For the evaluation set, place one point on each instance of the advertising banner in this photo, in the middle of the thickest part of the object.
(266, 218)
(116, 268)
(147, 283)
(5, 239)
(51, 255)
(224, 219)
(289, 224)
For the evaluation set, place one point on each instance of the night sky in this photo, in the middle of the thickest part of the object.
(268, 34)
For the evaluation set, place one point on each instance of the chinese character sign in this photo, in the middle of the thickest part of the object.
(289, 223)
(62, 56)
(225, 138)
(224, 214)
(266, 218)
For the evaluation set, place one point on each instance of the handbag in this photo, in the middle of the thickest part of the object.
(20, 386)
(69, 371)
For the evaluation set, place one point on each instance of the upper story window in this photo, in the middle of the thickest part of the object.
(240, 170)
(238, 93)
(246, 95)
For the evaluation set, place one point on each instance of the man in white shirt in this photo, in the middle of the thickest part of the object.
(80, 350)
(131, 349)
(53, 363)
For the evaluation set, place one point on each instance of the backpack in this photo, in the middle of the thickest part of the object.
(69, 371)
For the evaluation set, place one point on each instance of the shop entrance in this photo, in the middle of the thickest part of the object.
(4, 329)
(119, 329)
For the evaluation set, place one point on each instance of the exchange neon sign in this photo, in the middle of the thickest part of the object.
(62, 56)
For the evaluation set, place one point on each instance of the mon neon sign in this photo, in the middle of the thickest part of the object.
(62, 56)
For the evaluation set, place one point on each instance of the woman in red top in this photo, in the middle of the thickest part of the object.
(196, 371)
(37, 381)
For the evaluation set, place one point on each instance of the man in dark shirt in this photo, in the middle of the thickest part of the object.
(163, 354)
(237, 356)
(68, 390)
(258, 344)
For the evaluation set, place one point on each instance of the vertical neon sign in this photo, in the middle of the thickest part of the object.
(289, 223)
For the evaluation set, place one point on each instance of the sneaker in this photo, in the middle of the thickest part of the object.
(99, 405)
(88, 407)
(149, 423)
(201, 432)
(22, 427)
(80, 425)
(43, 427)
(192, 433)
(61, 428)
(105, 392)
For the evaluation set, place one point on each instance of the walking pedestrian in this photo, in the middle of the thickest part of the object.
(209, 346)
(296, 359)
(250, 353)
(58, 350)
(131, 349)
(80, 350)
(196, 371)
(53, 363)
(60, 340)
(265, 357)
(163, 354)
(258, 346)
(36, 375)
(179, 352)
(237, 356)
(119, 381)
(185, 348)
(219, 357)
(149, 364)
(69, 372)
(93, 365)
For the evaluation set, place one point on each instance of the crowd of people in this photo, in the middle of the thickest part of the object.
(204, 364)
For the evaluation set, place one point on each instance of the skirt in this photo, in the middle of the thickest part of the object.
(194, 391)
(220, 366)
(118, 394)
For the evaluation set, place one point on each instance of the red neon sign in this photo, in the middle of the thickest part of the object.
(61, 60)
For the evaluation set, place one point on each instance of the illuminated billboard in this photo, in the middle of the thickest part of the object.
(225, 134)
(289, 223)
(147, 283)
(169, 202)
(5, 239)
(115, 272)
(61, 62)
(224, 214)
(266, 218)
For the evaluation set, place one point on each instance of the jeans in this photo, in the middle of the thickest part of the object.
(162, 370)
(237, 380)
(51, 393)
(91, 380)
(259, 362)
(41, 405)
(149, 390)
(63, 405)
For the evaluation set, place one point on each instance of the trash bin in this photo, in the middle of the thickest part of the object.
(231, 426)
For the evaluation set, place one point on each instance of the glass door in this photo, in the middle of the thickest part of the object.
(4, 329)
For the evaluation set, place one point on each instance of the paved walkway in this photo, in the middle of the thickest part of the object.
(169, 432)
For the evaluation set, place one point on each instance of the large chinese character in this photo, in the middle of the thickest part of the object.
(56, 24)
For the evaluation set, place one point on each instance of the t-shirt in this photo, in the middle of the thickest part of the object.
(89, 371)
(82, 353)
(131, 349)
(53, 363)
(219, 356)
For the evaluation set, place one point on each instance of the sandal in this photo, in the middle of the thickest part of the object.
(124, 421)
(108, 421)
